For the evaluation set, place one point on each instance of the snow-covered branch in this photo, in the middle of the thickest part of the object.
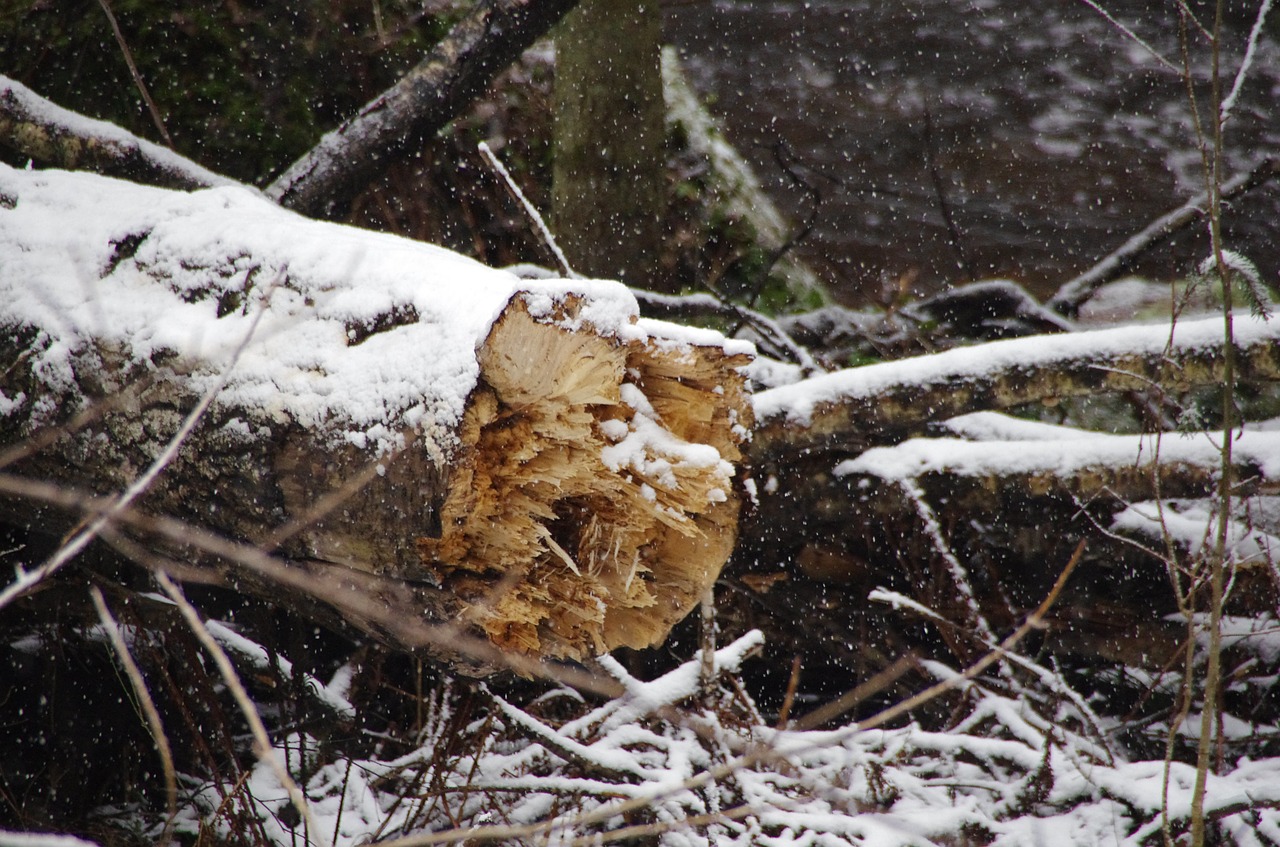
(425, 99)
(853, 408)
(50, 134)
(1074, 293)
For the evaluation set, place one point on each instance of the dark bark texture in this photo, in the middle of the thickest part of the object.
(424, 101)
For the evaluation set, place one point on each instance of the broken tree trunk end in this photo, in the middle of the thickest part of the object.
(527, 461)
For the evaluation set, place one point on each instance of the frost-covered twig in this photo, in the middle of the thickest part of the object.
(959, 575)
(618, 768)
(1053, 682)
(1229, 102)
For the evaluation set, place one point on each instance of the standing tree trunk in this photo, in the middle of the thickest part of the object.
(609, 129)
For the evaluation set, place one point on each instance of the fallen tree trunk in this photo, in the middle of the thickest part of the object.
(527, 458)
(859, 407)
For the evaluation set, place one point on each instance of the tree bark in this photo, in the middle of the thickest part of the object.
(850, 410)
(607, 180)
(518, 458)
(50, 134)
(424, 101)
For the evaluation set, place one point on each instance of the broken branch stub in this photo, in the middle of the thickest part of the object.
(528, 459)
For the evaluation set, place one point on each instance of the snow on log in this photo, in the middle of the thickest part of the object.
(853, 408)
(36, 128)
(993, 454)
(535, 460)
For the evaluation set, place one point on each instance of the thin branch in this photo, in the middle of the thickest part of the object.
(531, 214)
(133, 70)
(1224, 111)
(863, 691)
(796, 235)
(262, 741)
(148, 705)
(707, 639)
(1133, 36)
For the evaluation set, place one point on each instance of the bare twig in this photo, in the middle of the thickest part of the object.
(842, 704)
(531, 214)
(133, 70)
(148, 709)
(789, 697)
(1133, 36)
(262, 741)
(780, 153)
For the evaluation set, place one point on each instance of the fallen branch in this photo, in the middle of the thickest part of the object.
(1120, 468)
(36, 128)
(1073, 294)
(426, 99)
